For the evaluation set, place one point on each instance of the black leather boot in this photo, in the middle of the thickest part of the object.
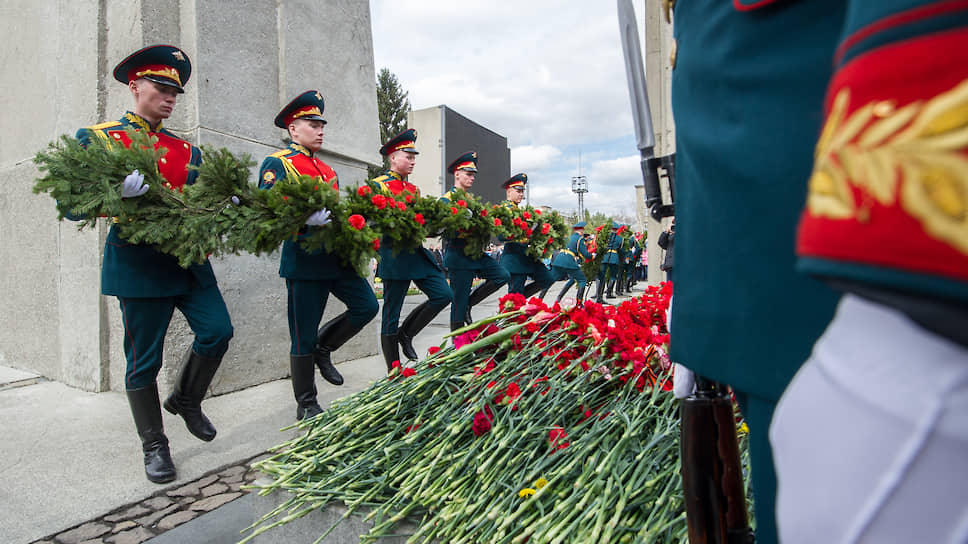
(531, 289)
(611, 289)
(543, 292)
(186, 400)
(390, 344)
(419, 318)
(454, 325)
(303, 379)
(332, 335)
(561, 294)
(599, 291)
(146, 409)
(478, 295)
(580, 296)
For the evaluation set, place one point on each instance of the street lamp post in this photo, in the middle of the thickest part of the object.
(579, 186)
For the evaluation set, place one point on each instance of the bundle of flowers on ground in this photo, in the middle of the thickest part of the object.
(541, 424)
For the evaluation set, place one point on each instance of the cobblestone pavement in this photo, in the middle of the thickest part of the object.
(164, 510)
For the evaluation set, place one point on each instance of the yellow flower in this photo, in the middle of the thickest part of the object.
(526, 492)
(744, 428)
(541, 483)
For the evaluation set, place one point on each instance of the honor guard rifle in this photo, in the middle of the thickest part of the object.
(712, 481)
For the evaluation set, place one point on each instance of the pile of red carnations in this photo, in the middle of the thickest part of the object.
(541, 424)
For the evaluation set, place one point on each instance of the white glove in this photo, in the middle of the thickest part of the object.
(134, 185)
(683, 381)
(319, 218)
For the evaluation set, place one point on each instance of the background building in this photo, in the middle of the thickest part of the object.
(443, 135)
(53, 321)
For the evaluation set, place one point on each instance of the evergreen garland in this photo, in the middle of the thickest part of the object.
(202, 219)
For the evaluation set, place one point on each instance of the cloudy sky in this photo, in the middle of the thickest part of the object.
(546, 74)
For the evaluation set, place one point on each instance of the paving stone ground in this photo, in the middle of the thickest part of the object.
(166, 509)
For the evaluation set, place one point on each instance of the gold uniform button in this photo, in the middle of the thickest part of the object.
(164, 160)
(186, 146)
(117, 136)
(167, 184)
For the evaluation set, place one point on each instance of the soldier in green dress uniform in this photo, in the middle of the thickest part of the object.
(312, 276)
(398, 270)
(567, 263)
(870, 436)
(608, 272)
(515, 258)
(149, 284)
(635, 253)
(462, 267)
(748, 103)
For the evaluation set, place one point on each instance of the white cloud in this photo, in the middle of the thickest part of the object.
(547, 74)
(533, 157)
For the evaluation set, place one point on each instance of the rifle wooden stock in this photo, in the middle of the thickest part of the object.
(712, 478)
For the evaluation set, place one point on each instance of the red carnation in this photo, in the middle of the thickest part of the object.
(453, 211)
(379, 201)
(462, 203)
(482, 421)
(419, 218)
(432, 350)
(483, 212)
(363, 190)
(537, 212)
(401, 206)
(556, 438)
(497, 222)
(285, 198)
(526, 215)
(407, 372)
(376, 244)
(356, 221)
(545, 228)
(408, 198)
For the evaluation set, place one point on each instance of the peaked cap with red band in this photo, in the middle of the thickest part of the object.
(467, 161)
(889, 189)
(401, 142)
(309, 105)
(164, 64)
(517, 180)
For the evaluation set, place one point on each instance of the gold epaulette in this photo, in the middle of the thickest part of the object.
(106, 124)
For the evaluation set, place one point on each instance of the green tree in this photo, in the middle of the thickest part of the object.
(393, 105)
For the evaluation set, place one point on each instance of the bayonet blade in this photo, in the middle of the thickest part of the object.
(635, 70)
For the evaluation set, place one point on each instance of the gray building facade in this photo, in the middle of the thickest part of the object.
(442, 136)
